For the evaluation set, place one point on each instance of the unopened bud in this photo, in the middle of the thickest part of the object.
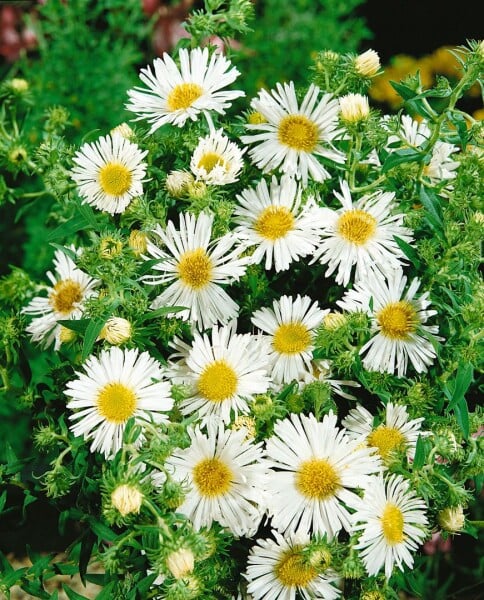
(181, 563)
(127, 499)
(66, 335)
(368, 63)
(19, 85)
(138, 242)
(123, 130)
(354, 108)
(116, 331)
(177, 183)
(334, 320)
(256, 118)
(451, 519)
(110, 247)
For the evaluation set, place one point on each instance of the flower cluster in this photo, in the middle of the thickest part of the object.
(235, 277)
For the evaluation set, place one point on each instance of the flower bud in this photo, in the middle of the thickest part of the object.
(451, 519)
(110, 247)
(123, 130)
(334, 320)
(116, 331)
(20, 86)
(181, 563)
(177, 183)
(368, 63)
(66, 335)
(354, 108)
(138, 242)
(248, 423)
(127, 499)
(256, 118)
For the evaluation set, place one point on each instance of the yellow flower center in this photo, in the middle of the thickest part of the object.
(218, 381)
(386, 440)
(392, 524)
(298, 132)
(317, 479)
(195, 268)
(183, 96)
(397, 320)
(65, 295)
(292, 571)
(291, 338)
(116, 402)
(212, 477)
(114, 179)
(274, 222)
(210, 160)
(356, 226)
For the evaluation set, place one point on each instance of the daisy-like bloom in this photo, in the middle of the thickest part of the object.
(398, 318)
(416, 134)
(360, 235)
(277, 569)
(223, 373)
(109, 172)
(392, 520)
(291, 325)
(117, 385)
(314, 468)
(173, 95)
(225, 473)
(395, 433)
(275, 221)
(216, 160)
(294, 136)
(65, 300)
(195, 268)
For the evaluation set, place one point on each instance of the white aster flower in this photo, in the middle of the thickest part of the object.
(398, 318)
(360, 235)
(314, 468)
(417, 134)
(109, 173)
(195, 267)
(175, 94)
(392, 520)
(277, 223)
(291, 325)
(292, 137)
(225, 473)
(223, 373)
(278, 569)
(65, 300)
(396, 432)
(216, 160)
(117, 385)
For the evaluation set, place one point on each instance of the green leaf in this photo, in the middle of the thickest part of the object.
(421, 453)
(463, 379)
(71, 594)
(87, 544)
(92, 333)
(409, 251)
(431, 203)
(102, 531)
(105, 593)
(401, 156)
(462, 415)
(67, 251)
(77, 325)
(160, 312)
(67, 229)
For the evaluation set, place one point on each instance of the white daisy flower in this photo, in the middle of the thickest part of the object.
(361, 235)
(392, 520)
(314, 468)
(225, 473)
(216, 160)
(278, 569)
(195, 267)
(292, 137)
(277, 223)
(175, 94)
(291, 325)
(398, 319)
(109, 173)
(65, 300)
(117, 385)
(223, 373)
(417, 134)
(395, 433)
